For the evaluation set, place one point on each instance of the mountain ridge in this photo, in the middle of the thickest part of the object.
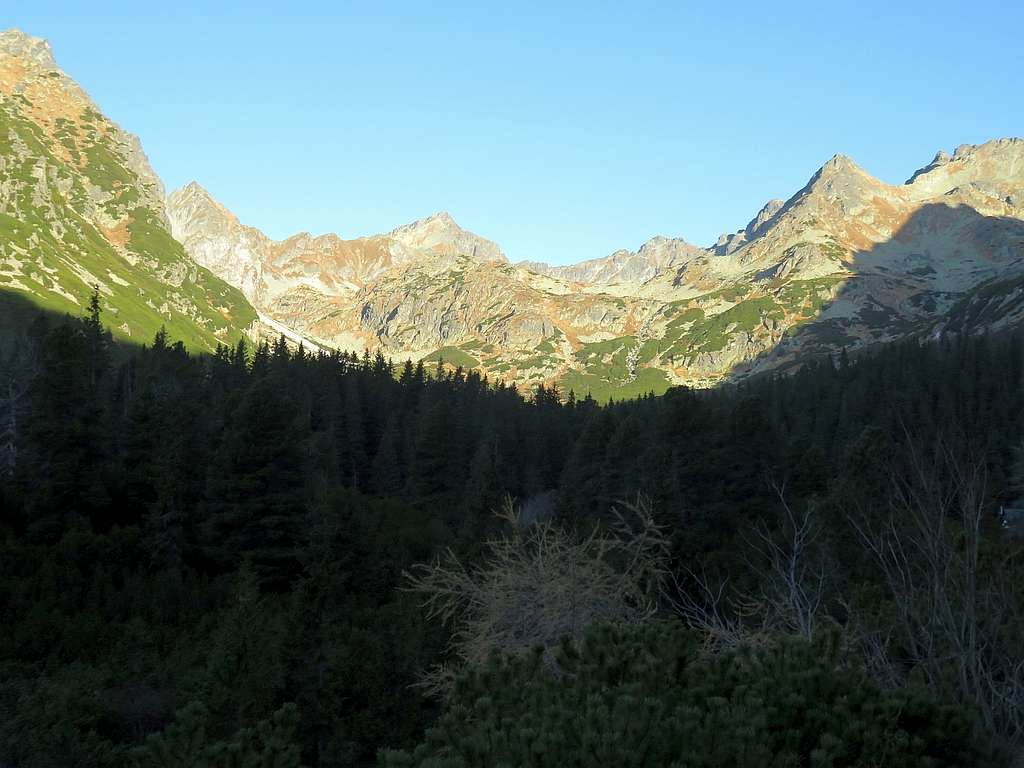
(846, 261)
(819, 258)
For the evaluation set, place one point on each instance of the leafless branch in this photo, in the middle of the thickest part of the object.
(537, 584)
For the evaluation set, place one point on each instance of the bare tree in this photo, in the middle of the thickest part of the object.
(791, 578)
(537, 584)
(949, 619)
(708, 610)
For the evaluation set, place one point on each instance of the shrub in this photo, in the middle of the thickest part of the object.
(646, 696)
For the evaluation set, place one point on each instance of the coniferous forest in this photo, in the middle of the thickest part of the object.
(267, 557)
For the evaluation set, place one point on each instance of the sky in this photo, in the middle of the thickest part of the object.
(563, 131)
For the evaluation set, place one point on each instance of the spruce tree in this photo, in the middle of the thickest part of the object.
(255, 498)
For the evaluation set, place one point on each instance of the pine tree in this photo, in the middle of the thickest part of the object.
(352, 435)
(386, 472)
(433, 467)
(256, 498)
(68, 439)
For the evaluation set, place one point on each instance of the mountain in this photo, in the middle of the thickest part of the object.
(846, 262)
(306, 281)
(80, 207)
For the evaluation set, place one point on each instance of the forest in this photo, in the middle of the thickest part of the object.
(266, 557)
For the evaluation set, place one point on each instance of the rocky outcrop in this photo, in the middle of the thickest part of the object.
(730, 242)
(656, 256)
(440, 236)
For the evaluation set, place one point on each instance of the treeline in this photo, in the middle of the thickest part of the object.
(226, 536)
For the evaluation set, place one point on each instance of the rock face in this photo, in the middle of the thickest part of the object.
(441, 236)
(80, 207)
(847, 261)
(315, 284)
(623, 268)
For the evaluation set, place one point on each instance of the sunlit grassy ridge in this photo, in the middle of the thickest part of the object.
(72, 217)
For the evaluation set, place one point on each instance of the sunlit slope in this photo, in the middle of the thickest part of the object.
(81, 208)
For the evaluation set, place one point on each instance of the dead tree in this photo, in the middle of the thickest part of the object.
(792, 585)
(537, 584)
(792, 578)
(949, 618)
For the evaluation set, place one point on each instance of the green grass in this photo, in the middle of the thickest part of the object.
(453, 356)
(731, 293)
(582, 384)
(692, 333)
(106, 169)
(600, 349)
(539, 361)
(59, 270)
(797, 293)
(550, 344)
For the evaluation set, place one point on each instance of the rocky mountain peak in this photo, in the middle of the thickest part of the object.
(54, 102)
(435, 222)
(839, 180)
(729, 242)
(32, 50)
(941, 158)
(837, 166)
(91, 214)
(195, 199)
(439, 234)
(995, 168)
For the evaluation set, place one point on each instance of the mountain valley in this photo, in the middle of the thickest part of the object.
(846, 262)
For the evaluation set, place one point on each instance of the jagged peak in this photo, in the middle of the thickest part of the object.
(193, 188)
(661, 242)
(942, 157)
(194, 192)
(14, 42)
(441, 234)
(441, 219)
(442, 216)
(838, 177)
(1004, 150)
(965, 151)
(838, 164)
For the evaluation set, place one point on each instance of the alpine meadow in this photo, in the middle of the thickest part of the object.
(414, 499)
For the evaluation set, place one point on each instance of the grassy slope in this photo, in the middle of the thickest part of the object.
(55, 253)
(690, 331)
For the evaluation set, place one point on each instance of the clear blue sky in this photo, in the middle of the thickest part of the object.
(562, 131)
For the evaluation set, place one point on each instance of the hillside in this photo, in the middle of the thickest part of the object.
(81, 207)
